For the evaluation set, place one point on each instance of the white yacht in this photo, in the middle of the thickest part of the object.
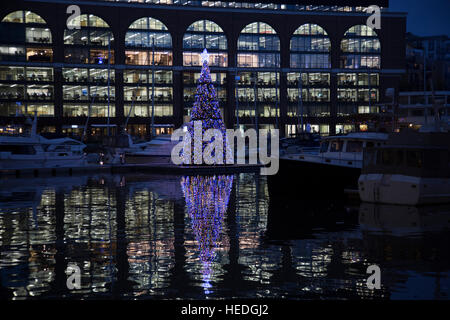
(344, 151)
(412, 168)
(331, 169)
(32, 151)
(157, 150)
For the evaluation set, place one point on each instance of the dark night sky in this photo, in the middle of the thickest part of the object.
(425, 17)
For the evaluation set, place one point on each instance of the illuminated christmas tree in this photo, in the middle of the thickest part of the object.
(205, 109)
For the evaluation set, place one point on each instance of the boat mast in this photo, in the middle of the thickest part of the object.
(370, 92)
(300, 102)
(89, 113)
(236, 79)
(425, 110)
(109, 72)
(34, 125)
(255, 92)
(276, 99)
(153, 88)
(435, 106)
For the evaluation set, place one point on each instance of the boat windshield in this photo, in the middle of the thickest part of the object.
(391, 157)
(354, 146)
(414, 158)
(336, 146)
(324, 146)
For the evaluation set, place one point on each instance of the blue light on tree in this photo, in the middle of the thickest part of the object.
(207, 201)
(206, 109)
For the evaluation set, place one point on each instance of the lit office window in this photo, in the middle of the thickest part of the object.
(94, 76)
(205, 34)
(314, 91)
(88, 93)
(139, 88)
(358, 95)
(360, 48)
(144, 93)
(10, 109)
(90, 41)
(24, 36)
(357, 79)
(145, 36)
(145, 110)
(82, 110)
(310, 47)
(258, 46)
(267, 94)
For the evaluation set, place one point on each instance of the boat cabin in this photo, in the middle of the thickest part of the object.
(351, 145)
(410, 154)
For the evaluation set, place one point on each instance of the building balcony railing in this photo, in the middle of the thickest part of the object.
(22, 78)
(78, 97)
(19, 96)
(94, 80)
(142, 82)
(168, 99)
(294, 83)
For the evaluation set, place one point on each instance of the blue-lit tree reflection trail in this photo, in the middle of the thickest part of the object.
(207, 200)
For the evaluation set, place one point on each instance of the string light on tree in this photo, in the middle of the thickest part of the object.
(206, 110)
(207, 200)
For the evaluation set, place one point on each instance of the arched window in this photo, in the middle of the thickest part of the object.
(360, 48)
(310, 47)
(258, 92)
(88, 40)
(145, 36)
(358, 89)
(200, 35)
(24, 37)
(205, 34)
(89, 91)
(258, 46)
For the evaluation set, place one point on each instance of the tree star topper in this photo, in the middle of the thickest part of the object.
(205, 56)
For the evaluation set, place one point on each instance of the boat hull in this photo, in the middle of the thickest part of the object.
(402, 189)
(294, 176)
(37, 163)
(146, 158)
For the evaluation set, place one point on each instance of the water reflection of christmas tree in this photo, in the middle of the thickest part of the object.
(207, 200)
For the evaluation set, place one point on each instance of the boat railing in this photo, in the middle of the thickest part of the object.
(23, 135)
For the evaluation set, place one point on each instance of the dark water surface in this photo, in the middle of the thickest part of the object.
(148, 236)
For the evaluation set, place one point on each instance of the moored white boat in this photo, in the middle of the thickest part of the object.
(412, 168)
(334, 167)
(156, 150)
(34, 151)
(340, 151)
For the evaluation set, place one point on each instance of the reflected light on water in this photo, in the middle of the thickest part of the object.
(139, 236)
(206, 201)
